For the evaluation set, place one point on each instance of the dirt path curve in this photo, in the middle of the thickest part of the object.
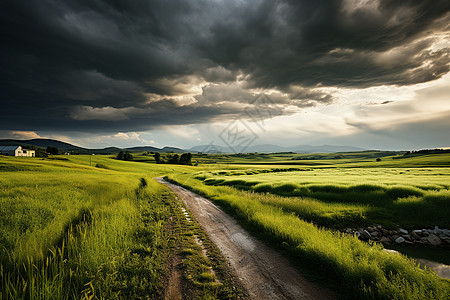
(264, 272)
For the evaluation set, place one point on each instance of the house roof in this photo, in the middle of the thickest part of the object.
(8, 148)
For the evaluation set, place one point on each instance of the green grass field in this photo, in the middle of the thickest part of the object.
(297, 208)
(94, 227)
(346, 159)
(69, 230)
(343, 197)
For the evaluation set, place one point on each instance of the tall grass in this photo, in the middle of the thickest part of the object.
(340, 200)
(73, 231)
(119, 250)
(361, 271)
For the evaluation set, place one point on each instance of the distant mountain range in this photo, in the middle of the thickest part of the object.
(265, 148)
(269, 148)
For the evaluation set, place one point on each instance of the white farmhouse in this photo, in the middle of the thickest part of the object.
(16, 151)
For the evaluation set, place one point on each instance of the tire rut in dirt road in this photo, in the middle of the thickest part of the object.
(265, 273)
(174, 285)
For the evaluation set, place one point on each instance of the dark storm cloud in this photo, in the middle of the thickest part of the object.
(62, 59)
(110, 119)
(325, 42)
(216, 94)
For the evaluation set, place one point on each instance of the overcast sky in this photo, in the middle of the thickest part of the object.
(97, 73)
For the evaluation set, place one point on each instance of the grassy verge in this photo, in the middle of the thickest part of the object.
(361, 271)
(205, 271)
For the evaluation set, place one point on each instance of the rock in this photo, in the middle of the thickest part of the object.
(377, 233)
(407, 237)
(436, 230)
(399, 240)
(415, 235)
(434, 240)
(385, 240)
(366, 234)
(402, 231)
(442, 236)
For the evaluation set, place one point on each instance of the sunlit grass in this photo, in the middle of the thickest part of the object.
(68, 230)
(350, 197)
(361, 270)
(92, 226)
(89, 227)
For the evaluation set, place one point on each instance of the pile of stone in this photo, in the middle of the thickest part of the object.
(434, 237)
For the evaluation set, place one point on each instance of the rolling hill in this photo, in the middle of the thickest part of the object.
(66, 147)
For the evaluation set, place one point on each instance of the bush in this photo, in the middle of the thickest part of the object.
(124, 155)
(52, 150)
(102, 166)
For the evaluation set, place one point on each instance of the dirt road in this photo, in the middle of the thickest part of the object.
(263, 272)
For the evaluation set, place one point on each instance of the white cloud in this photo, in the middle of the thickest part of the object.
(24, 135)
(427, 103)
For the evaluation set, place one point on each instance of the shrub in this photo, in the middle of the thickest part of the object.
(52, 150)
(124, 155)
(102, 166)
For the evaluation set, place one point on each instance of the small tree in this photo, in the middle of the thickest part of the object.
(157, 157)
(120, 155)
(185, 159)
(124, 155)
(41, 153)
(173, 159)
(52, 150)
(127, 156)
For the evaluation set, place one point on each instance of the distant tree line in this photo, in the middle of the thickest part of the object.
(427, 151)
(421, 152)
(183, 159)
